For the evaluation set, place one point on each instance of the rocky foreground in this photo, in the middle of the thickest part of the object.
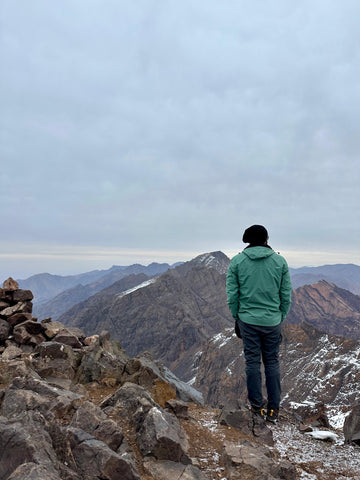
(74, 407)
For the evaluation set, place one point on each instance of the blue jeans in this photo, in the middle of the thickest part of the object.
(262, 343)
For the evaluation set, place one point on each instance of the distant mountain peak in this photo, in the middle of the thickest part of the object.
(217, 260)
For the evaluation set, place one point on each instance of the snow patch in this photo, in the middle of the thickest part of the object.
(323, 435)
(141, 285)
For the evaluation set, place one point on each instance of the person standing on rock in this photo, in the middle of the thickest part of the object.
(258, 288)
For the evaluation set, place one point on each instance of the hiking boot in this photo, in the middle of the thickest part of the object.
(272, 415)
(258, 412)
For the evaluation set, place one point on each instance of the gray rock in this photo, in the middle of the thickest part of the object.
(93, 420)
(4, 329)
(20, 307)
(165, 470)
(67, 338)
(103, 362)
(161, 436)
(55, 350)
(15, 368)
(22, 295)
(18, 318)
(25, 440)
(130, 401)
(32, 471)
(248, 460)
(29, 333)
(352, 426)
(52, 328)
(10, 285)
(31, 394)
(178, 408)
(11, 352)
(95, 459)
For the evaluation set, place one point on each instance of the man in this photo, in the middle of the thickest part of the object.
(258, 290)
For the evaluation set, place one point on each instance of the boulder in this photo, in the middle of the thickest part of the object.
(29, 333)
(94, 421)
(67, 338)
(10, 285)
(24, 439)
(32, 394)
(128, 400)
(55, 350)
(32, 471)
(91, 340)
(161, 436)
(51, 328)
(19, 318)
(22, 296)
(352, 426)
(4, 330)
(165, 470)
(102, 362)
(94, 459)
(11, 352)
(11, 369)
(247, 460)
(20, 307)
(178, 408)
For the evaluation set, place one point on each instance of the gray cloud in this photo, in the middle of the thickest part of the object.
(172, 126)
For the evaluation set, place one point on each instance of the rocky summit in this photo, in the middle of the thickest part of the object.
(77, 407)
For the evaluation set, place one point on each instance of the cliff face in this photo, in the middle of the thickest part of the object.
(170, 316)
(328, 308)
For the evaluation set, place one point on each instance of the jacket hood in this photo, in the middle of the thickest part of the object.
(257, 253)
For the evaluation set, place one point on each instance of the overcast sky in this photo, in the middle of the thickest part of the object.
(154, 130)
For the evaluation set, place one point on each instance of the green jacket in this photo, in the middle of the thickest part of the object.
(258, 286)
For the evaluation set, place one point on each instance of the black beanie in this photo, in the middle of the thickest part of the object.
(255, 235)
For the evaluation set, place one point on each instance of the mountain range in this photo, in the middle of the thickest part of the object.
(181, 317)
(55, 295)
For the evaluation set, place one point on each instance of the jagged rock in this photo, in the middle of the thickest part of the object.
(95, 459)
(161, 436)
(166, 470)
(67, 338)
(20, 307)
(352, 426)
(178, 408)
(22, 296)
(37, 395)
(91, 340)
(11, 352)
(93, 420)
(29, 332)
(128, 399)
(10, 285)
(15, 368)
(245, 460)
(52, 328)
(103, 361)
(24, 439)
(32, 471)
(18, 318)
(4, 329)
(55, 350)
(54, 359)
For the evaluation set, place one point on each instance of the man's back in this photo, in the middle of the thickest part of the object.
(258, 286)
